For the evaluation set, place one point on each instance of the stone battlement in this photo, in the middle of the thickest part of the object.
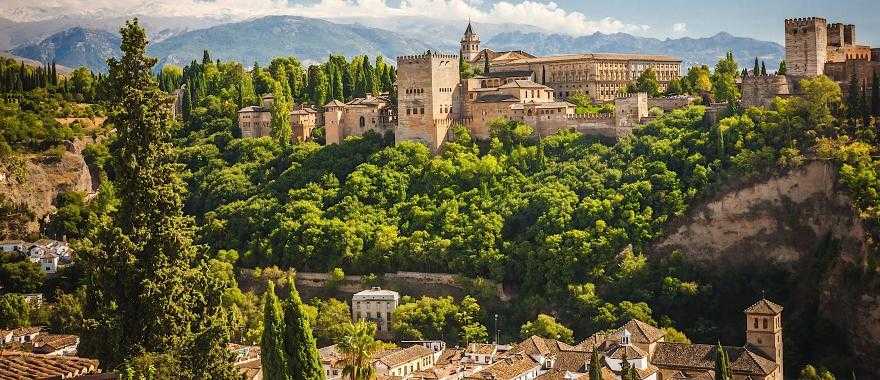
(590, 116)
(803, 21)
(632, 96)
(425, 57)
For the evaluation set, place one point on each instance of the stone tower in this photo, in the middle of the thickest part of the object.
(764, 330)
(428, 97)
(470, 43)
(806, 46)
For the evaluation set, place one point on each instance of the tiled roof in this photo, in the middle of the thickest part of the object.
(641, 331)
(253, 109)
(334, 103)
(573, 361)
(47, 343)
(22, 331)
(509, 74)
(536, 345)
(481, 348)
(25, 366)
(330, 355)
(522, 83)
(702, 357)
(395, 358)
(449, 355)
(494, 98)
(764, 307)
(631, 352)
(507, 368)
(592, 341)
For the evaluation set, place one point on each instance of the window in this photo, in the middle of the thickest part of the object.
(756, 323)
(362, 122)
(765, 323)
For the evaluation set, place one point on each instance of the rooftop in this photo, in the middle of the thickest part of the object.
(20, 366)
(597, 56)
(764, 307)
(395, 358)
(702, 357)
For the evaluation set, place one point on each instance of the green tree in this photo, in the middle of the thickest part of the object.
(331, 321)
(147, 285)
(273, 357)
(647, 82)
(357, 347)
(546, 326)
(811, 373)
(675, 88)
(756, 70)
(303, 361)
(722, 364)
(782, 70)
(14, 311)
(724, 79)
(280, 112)
(67, 313)
(875, 94)
(763, 69)
(596, 366)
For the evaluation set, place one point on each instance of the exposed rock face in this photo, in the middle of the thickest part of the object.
(42, 179)
(781, 223)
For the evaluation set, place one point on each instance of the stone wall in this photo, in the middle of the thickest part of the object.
(671, 103)
(428, 97)
(806, 42)
(759, 91)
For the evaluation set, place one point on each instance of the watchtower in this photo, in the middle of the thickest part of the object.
(764, 330)
(806, 46)
(428, 97)
(470, 43)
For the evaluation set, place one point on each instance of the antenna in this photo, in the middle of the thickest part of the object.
(496, 328)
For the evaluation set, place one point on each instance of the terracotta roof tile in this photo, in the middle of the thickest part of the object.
(764, 307)
(702, 357)
(395, 358)
(507, 368)
(24, 366)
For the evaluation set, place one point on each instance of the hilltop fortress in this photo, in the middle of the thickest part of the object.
(814, 47)
(432, 96)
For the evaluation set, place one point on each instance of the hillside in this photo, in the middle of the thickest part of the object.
(74, 47)
(260, 40)
(797, 237)
(693, 51)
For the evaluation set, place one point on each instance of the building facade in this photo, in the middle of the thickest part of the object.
(357, 117)
(428, 97)
(375, 305)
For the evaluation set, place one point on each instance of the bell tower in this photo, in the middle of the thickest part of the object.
(764, 330)
(470, 43)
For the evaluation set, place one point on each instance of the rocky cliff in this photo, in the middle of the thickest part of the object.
(798, 230)
(34, 180)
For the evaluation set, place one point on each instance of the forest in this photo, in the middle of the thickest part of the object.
(564, 220)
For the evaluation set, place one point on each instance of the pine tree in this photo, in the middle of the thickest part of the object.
(756, 70)
(763, 69)
(303, 361)
(272, 355)
(595, 366)
(206, 58)
(782, 69)
(149, 289)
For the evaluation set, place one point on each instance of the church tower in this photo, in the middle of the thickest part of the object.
(764, 331)
(470, 43)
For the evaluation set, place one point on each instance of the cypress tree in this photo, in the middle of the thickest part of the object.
(875, 94)
(756, 70)
(782, 69)
(347, 83)
(763, 68)
(149, 289)
(865, 107)
(272, 355)
(853, 99)
(745, 72)
(338, 91)
(206, 58)
(369, 78)
(595, 366)
(280, 111)
(722, 364)
(303, 361)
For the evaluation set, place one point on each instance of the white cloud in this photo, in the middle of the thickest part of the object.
(679, 28)
(545, 14)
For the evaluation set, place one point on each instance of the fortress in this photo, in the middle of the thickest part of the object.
(432, 96)
(812, 48)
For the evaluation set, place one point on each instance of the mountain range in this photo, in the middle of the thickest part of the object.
(74, 42)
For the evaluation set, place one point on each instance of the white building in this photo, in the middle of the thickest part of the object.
(12, 246)
(376, 305)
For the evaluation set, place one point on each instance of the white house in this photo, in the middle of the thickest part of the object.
(12, 246)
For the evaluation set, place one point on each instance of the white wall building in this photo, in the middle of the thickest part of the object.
(376, 305)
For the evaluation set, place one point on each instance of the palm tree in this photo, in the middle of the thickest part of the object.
(358, 346)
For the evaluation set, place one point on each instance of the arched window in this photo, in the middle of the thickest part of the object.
(363, 123)
(756, 323)
(765, 323)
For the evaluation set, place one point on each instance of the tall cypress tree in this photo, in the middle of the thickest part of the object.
(722, 364)
(756, 70)
(595, 366)
(853, 99)
(782, 69)
(272, 355)
(280, 111)
(763, 68)
(303, 361)
(149, 289)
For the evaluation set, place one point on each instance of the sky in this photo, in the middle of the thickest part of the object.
(760, 19)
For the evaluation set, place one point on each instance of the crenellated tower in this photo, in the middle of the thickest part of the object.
(806, 46)
(428, 97)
